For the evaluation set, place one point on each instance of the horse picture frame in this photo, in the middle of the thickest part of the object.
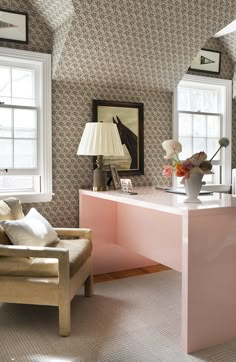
(129, 118)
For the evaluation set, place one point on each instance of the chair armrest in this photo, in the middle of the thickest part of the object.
(81, 232)
(62, 254)
(33, 251)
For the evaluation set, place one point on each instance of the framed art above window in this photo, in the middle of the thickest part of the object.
(128, 117)
(207, 61)
(13, 26)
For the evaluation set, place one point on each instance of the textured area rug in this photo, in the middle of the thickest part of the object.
(136, 319)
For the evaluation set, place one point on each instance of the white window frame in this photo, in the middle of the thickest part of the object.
(226, 127)
(43, 62)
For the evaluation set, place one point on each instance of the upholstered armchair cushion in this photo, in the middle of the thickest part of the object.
(79, 251)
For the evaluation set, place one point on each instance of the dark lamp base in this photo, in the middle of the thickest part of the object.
(99, 180)
(100, 188)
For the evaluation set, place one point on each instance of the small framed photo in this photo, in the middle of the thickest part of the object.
(115, 177)
(13, 26)
(207, 61)
(126, 185)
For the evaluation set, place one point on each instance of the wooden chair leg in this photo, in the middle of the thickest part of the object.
(88, 286)
(64, 319)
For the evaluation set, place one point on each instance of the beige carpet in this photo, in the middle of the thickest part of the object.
(135, 320)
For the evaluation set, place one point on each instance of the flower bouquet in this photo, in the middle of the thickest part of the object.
(193, 167)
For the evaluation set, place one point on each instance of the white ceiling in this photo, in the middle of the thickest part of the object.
(226, 30)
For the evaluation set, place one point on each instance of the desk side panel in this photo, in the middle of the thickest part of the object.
(208, 284)
(100, 216)
(154, 234)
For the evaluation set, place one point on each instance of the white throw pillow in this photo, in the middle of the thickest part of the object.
(32, 230)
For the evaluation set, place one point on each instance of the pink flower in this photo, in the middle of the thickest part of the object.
(167, 171)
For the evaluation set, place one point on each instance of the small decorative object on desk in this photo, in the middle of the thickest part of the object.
(126, 185)
(192, 169)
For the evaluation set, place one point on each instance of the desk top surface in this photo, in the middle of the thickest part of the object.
(152, 198)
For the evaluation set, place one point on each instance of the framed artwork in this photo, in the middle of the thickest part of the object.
(13, 26)
(129, 119)
(115, 177)
(207, 61)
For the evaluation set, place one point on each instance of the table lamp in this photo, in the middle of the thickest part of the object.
(100, 139)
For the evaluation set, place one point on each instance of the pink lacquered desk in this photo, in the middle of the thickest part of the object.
(198, 240)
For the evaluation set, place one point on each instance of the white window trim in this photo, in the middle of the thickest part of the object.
(44, 119)
(226, 131)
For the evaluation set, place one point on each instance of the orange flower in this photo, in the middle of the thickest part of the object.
(180, 169)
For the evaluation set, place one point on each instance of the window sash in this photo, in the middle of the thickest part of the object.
(12, 96)
(41, 63)
(224, 90)
(35, 169)
(191, 137)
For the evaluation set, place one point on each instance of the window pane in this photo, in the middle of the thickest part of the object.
(25, 124)
(213, 178)
(184, 98)
(199, 126)
(210, 102)
(5, 82)
(22, 86)
(22, 102)
(185, 125)
(212, 147)
(6, 154)
(5, 122)
(198, 99)
(186, 147)
(199, 145)
(25, 154)
(213, 126)
(16, 183)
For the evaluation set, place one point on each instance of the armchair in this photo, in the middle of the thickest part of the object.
(45, 275)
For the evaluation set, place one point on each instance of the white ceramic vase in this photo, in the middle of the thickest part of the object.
(192, 187)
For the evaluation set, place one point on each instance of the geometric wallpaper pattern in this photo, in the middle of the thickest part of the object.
(123, 50)
(229, 42)
(55, 12)
(144, 44)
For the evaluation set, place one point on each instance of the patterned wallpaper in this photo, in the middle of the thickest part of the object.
(55, 12)
(229, 42)
(127, 50)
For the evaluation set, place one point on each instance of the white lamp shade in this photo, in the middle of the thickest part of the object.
(100, 139)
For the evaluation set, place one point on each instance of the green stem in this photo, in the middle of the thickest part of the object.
(177, 156)
(215, 153)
